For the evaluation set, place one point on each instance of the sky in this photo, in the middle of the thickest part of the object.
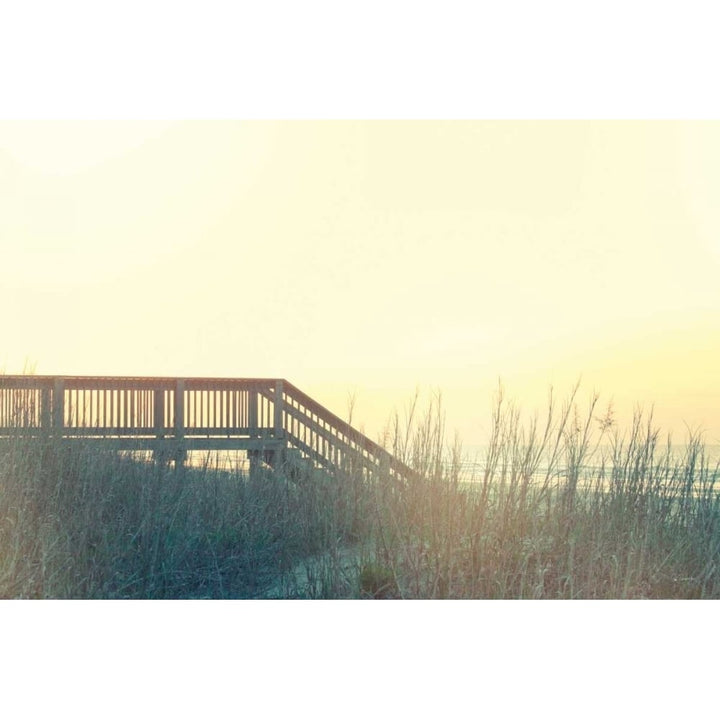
(372, 259)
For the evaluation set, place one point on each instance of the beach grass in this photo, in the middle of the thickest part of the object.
(566, 505)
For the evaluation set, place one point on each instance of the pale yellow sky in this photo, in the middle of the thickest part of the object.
(372, 257)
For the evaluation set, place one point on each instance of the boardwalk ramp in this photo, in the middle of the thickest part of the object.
(269, 418)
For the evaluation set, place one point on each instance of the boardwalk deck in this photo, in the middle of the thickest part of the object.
(269, 418)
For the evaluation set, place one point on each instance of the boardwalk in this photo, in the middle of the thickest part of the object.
(269, 418)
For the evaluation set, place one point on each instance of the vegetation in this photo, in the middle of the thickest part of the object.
(566, 507)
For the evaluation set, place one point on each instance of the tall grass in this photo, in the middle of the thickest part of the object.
(76, 522)
(568, 508)
(563, 506)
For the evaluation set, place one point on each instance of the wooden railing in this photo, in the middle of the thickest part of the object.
(331, 442)
(269, 418)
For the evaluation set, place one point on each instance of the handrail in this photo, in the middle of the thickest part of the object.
(339, 435)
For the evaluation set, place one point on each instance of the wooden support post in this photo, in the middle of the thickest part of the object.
(278, 431)
(253, 455)
(58, 406)
(159, 412)
(278, 414)
(253, 412)
(45, 409)
(159, 423)
(179, 412)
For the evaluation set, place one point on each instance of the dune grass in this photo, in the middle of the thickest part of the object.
(566, 506)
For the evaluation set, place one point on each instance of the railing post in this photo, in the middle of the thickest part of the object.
(159, 423)
(58, 406)
(179, 412)
(253, 454)
(253, 412)
(278, 414)
(159, 412)
(278, 434)
(45, 408)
